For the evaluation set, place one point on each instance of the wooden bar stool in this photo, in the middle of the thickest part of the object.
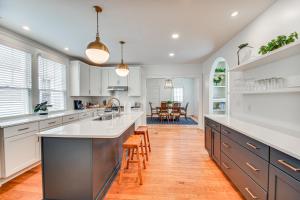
(131, 145)
(143, 130)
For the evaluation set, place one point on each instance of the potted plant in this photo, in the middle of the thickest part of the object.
(170, 103)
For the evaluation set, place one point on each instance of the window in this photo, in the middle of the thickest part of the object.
(52, 83)
(178, 94)
(15, 82)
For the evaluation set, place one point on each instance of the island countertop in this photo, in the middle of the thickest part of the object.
(90, 128)
(285, 142)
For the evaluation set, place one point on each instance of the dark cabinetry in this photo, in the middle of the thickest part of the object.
(282, 186)
(258, 171)
(213, 140)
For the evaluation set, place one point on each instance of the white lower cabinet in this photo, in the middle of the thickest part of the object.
(20, 152)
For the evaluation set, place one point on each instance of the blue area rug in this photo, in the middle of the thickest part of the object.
(181, 121)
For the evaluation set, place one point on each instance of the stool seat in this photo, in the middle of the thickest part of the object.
(132, 141)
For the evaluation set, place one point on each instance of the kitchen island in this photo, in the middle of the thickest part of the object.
(80, 160)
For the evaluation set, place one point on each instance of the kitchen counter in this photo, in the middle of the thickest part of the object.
(91, 128)
(284, 142)
(35, 118)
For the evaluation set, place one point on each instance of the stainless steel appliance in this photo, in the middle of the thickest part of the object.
(78, 105)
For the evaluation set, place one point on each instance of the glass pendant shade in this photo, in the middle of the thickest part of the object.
(168, 83)
(97, 52)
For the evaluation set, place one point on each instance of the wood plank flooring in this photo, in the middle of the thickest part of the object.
(178, 168)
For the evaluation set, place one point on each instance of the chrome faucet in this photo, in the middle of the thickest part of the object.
(110, 102)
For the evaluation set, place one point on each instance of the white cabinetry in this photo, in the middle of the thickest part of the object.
(79, 79)
(104, 85)
(20, 152)
(85, 80)
(95, 81)
(134, 81)
(115, 79)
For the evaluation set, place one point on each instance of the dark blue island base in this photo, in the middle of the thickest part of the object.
(80, 168)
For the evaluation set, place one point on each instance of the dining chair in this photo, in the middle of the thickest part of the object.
(183, 111)
(153, 110)
(163, 112)
(175, 114)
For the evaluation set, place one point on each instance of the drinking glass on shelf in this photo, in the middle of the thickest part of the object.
(273, 83)
(280, 82)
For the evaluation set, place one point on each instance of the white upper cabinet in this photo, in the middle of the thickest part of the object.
(105, 74)
(134, 81)
(115, 80)
(95, 81)
(85, 80)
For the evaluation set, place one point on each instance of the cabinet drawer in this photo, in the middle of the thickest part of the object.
(50, 123)
(214, 125)
(286, 163)
(251, 164)
(21, 129)
(252, 145)
(249, 189)
(70, 118)
(85, 115)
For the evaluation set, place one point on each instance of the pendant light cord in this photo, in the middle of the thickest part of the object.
(97, 34)
(122, 53)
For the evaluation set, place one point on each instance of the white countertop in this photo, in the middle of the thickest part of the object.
(89, 128)
(284, 142)
(34, 118)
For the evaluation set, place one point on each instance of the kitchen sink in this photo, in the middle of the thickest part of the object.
(107, 116)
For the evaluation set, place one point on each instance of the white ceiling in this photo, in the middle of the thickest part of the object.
(146, 25)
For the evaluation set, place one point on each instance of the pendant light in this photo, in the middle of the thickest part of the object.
(96, 51)
(122, 69)
(168, 84)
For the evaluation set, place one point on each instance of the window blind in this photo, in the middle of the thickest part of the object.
(15, 82)
(52, 83)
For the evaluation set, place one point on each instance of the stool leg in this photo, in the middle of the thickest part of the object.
(143, 156)
(148, 141)
(139, 166)
(122, 165)
(129, 156)
(146, 148)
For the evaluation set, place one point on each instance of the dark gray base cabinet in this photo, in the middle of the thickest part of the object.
(282, 186)
(258, 171)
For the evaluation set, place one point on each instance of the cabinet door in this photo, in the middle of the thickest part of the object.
(104, 85)
(282, 186)
(216, 146)
(134, 81)
(84, 79)
(115, 79)
(207, 136)
(20, 152)
(95, 81)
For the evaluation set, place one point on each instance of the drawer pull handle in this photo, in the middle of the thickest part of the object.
(226, 167)
(252, 145)
(252, 167)
(225, 145)
(284, 163)
(23, 129)
(250, 193)
(51, 123)
(226, 132)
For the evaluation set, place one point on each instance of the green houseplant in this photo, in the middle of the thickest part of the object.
(277, 43)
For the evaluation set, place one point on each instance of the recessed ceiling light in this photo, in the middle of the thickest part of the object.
(171, 54)
(234, 14)
(26, 28)
(175, 35)
(66, 49)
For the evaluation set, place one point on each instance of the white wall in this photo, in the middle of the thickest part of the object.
(280, 110)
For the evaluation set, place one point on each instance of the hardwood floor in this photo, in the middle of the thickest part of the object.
(178, 168)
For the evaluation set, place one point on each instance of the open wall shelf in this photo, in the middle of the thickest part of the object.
(283, 90)
(279, 54)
